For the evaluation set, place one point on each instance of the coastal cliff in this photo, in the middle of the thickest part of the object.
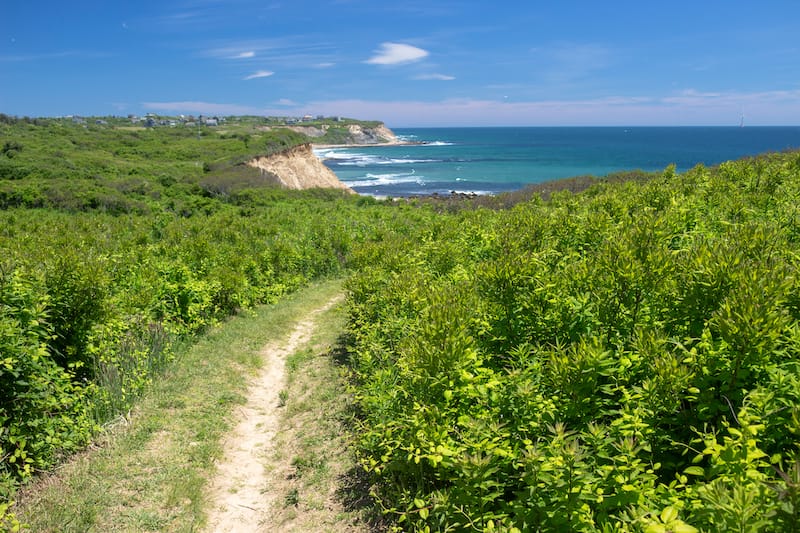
(298, 168)
(376, 135)
(347, 134)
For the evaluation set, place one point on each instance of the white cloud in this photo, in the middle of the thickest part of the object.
(290, 51)
(766, 108)
(437, 77)
(259, 74)
(397, 54)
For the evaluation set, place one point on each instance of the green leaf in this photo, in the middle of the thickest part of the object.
(669, 514)
(682, 527)
(694, 471)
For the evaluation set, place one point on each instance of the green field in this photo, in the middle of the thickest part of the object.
(623, 358)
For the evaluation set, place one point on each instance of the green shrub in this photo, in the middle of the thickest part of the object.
(621, 360)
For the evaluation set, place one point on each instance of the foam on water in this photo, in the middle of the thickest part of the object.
(336, 157)
(493, 160)
(437, 143)
(373, 180)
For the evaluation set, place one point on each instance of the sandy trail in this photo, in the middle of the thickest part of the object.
(241, 498)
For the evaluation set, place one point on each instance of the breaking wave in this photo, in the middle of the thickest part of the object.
(378, 180)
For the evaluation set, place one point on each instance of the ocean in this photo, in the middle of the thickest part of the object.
(494, 160)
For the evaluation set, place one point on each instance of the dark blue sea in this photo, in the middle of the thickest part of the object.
(493, 160)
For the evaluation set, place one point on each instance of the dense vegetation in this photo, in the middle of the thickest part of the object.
(116, 243)
(620, 359)
(54, 163)
(625, 359)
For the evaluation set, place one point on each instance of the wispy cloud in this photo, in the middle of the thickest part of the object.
(397, 54)
(570, 62)
(700, 101)
(188, 15)
(54, 55)
(682, 109)
(694, 97)
(259, 74)
(437, 77)
(505, 86)
(287, 52)
(206, 108)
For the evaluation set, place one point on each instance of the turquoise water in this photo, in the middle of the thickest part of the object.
(492, 160)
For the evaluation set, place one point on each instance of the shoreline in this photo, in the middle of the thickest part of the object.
(315, 146)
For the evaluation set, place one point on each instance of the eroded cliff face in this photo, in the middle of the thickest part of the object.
(378, 135)
(299, 168)
(356, 134)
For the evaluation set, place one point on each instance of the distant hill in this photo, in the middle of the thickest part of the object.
(352, 134)
(121, 165)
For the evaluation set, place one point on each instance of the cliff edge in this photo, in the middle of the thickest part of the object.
(298, 168)
(346, 135)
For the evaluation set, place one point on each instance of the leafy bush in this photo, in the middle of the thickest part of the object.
(111, 251)
(44, 411)
(625, 359)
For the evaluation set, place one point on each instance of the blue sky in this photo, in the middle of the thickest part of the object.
(410, 62)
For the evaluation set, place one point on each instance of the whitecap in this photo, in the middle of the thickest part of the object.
(479, 193)
(406, 161)
(355, 160)
(373, 180)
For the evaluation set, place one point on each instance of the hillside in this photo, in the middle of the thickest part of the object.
(625, 358)
(353, 134)
(60, 163)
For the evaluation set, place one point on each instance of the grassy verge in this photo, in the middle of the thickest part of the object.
(150, 472)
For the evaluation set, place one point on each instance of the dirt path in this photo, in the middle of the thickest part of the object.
(241, 495)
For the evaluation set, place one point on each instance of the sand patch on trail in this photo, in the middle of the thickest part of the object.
(241, 493)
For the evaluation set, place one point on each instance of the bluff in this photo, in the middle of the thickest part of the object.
(298, 168)
(349, 134)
